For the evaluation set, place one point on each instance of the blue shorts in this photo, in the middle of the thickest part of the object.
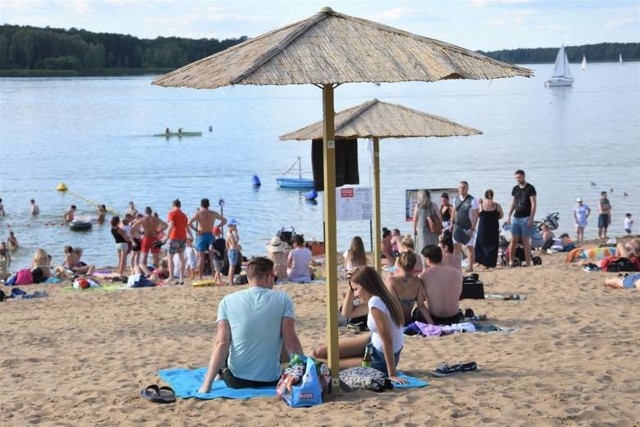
(203, 241)
(519, 227)
(233, 255)
(377, 359)
(629, 281)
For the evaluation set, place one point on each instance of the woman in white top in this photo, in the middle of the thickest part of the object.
(385, 320)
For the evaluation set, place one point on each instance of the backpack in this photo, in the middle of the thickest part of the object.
(615, 264)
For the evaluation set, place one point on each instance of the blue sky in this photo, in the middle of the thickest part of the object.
(474, 24)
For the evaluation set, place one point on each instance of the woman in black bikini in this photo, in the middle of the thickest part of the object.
(404, 284)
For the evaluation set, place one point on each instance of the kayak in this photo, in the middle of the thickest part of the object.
(178, 134)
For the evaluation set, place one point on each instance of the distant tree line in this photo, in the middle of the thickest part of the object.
(31, 48)
(26, 50)
(603, 52)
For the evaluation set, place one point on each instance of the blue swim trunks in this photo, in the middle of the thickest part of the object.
(519, 227)
(203, 241)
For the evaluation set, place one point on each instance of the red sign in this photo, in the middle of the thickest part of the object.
(346, 192)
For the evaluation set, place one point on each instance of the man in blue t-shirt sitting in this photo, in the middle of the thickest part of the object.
(253, 325)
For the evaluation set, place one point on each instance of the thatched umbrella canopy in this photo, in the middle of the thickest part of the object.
(326, 50)
(377, 120)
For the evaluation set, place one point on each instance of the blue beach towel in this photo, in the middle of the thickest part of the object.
(186, 382)
(412, 382)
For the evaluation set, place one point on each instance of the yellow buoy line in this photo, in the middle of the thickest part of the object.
(64, 188)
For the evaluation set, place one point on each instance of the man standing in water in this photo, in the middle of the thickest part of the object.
(523, 208)
(204, 221)
(604, 217)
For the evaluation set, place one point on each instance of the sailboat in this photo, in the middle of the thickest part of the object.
(299, 182)
(583, 66)
(561, 72)
(620, 59)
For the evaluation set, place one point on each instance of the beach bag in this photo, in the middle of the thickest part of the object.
(241, 279)
(309, 390)
(24, 277)
(472, 287)
(614, 264)
(364, 378)
(435, 224)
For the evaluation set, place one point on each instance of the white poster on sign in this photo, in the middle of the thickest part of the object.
(411, 199)
(354, 204)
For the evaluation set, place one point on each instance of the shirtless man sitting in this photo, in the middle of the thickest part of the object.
(150, 225)
(442, 287)
(202, 223)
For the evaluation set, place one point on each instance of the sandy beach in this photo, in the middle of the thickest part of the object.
(82, 357)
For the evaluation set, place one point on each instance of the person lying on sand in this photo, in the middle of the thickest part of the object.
(631, 281)
(253, 326)
(385, 320)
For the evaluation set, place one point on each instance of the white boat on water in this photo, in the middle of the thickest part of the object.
(561, 72)
(583, 66)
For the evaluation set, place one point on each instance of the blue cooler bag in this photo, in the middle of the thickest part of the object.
(308, 392)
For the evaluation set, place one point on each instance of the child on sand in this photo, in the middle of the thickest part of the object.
(233, 248)
(218, 248)
(628, 223)
(191, 257)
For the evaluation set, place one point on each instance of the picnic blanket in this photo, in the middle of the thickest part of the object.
(186, 382)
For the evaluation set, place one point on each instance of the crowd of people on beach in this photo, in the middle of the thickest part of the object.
(423, 280)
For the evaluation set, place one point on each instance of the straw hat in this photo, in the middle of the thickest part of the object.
(276, 245)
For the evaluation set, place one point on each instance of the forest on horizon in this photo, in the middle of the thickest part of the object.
(34, 51)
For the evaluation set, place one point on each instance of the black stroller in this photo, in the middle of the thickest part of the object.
(537, 241)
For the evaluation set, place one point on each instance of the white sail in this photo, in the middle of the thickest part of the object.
(561, 72)
(561, 67)
(620, 58)
(584, 63)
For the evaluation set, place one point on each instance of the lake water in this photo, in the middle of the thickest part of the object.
(94, 134)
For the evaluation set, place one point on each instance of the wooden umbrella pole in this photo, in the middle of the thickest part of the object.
(330, 244)
(377, 220)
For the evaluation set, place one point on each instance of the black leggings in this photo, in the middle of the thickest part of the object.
(234, 382)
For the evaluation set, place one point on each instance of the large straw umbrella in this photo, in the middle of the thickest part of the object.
(326, 50)
(377, 120)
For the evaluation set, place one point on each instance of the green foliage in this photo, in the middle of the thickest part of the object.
(31, 48)
(603, 52)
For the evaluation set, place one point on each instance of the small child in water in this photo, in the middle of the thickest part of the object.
(628, 223)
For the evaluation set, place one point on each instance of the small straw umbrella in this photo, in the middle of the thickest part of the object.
(326, 50)
(377, 120)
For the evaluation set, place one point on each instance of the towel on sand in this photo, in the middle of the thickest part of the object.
(186, 383)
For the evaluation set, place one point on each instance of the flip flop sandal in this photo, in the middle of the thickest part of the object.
(167, 395)
(151, 393)
(446, 370)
